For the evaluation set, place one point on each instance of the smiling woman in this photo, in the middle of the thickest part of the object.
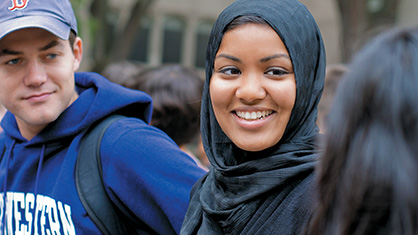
(265, 73)
(253, 87)
(50, 109)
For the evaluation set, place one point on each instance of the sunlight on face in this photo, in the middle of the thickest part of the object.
(37, 77)
(253, 88)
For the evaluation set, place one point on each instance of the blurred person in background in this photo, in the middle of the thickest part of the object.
(176, 92)
(124, 73)
(333, 76)
(368, 174)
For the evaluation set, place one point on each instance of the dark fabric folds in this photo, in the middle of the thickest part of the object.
(267, 191)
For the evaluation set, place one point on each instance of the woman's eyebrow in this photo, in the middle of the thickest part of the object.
(228, 57)
(263, 60)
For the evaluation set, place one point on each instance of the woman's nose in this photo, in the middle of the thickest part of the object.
(250, 89)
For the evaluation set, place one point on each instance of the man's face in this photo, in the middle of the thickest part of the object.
(37, 77)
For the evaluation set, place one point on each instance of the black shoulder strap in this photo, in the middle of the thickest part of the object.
(89, 181)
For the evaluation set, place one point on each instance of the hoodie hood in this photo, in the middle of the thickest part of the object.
(93, 104)
(38, 189)
(26, 166)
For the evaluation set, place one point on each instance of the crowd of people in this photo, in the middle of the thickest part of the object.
(288, 145)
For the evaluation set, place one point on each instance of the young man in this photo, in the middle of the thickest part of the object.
(50, 107)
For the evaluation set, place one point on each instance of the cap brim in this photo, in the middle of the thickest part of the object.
(51, 24)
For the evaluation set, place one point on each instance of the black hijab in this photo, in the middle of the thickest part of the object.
(243, 185)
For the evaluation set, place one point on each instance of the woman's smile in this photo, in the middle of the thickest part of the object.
(253, 115)
(253, 121)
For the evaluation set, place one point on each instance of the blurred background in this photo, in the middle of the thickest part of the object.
(155, 32)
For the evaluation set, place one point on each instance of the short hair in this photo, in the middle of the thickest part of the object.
(176, 92)
(71, 39)
(368, 173)
(124, 72)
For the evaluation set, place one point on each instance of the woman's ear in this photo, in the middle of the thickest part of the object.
(78, 52)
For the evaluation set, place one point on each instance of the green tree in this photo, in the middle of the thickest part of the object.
(108, 31)
(363, 19)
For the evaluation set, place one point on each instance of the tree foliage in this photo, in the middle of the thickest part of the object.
(108, 28)
(363, 19)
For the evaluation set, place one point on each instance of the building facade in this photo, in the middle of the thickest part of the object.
(176, 31)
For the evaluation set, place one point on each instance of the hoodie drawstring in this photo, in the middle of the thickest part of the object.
(8, 156)
(38, 172)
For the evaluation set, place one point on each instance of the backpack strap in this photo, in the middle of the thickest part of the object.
(89, 181)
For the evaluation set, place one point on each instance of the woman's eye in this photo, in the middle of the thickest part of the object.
(276, 72)
(230, 71)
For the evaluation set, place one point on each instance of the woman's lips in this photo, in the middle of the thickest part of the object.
(253, 120)
(253, 115)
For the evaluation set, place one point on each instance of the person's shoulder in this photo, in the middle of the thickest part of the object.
(303, 192)
(130, 141)
(132, 125)
(137, 135)
(307, 184)
(131, 121)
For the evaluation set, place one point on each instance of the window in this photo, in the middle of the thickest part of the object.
(202, 36)
(141, 42)
(174, 29)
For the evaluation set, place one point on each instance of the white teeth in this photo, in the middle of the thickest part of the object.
(253, 115)
(247, 115)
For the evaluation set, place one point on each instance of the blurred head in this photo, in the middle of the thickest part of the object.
(176, 92)
(333, 76)
(369, 170)
(124, 73)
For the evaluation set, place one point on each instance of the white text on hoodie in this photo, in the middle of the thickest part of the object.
(49, 216)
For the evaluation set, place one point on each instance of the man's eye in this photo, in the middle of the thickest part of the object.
(13, 62)
(51, 56)
(231, 71)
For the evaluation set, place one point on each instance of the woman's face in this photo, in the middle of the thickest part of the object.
(253, 87)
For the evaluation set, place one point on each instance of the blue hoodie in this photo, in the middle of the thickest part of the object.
(143, 169)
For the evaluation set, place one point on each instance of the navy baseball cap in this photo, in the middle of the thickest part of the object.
(55, 16)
